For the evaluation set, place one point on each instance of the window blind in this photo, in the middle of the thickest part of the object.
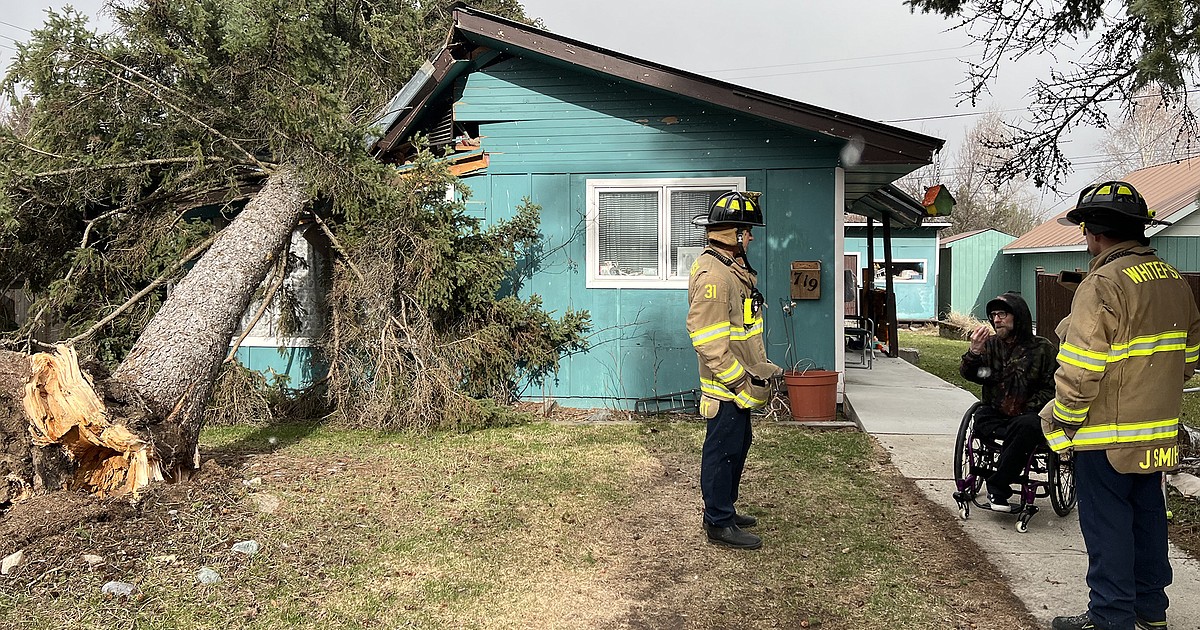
(628, 224)
(686, 204)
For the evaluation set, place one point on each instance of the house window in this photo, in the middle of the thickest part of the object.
(640, 232)
(902, 271)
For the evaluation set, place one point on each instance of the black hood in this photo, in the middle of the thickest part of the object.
(1015, 304)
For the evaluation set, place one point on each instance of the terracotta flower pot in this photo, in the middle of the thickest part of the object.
(812, 394)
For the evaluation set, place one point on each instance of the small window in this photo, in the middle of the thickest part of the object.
(902, 271)
(640, 232)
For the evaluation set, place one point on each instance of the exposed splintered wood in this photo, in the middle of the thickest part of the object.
(63, 409)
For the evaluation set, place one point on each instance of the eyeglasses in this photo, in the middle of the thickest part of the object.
(999, 314)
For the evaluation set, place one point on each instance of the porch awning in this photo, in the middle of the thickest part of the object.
(893, 203)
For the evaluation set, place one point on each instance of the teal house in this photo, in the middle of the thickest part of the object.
(621, 153)
(1170, 190)
(914, 264)
(972, 270)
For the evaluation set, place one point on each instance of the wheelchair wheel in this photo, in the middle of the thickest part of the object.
(1061, 475)
(965, 445)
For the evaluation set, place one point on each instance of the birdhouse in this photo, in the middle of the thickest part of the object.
(938, 201)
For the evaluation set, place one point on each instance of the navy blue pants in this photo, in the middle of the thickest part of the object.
(1123, 518)
(1021, 434)
(726, 444)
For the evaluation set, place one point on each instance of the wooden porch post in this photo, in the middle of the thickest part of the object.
(893, 332)
(869, 281)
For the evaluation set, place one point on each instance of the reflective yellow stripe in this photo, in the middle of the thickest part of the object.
(1058, 440)
(1086, 359)
(715, 389)
(1128, 432)
(742, 334)
(710, 333)
(749, 401)
(1069, 415)
(1191, 354)
(1147, 345)
(733, 373)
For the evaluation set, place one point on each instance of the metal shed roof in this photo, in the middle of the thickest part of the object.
(1168, 188)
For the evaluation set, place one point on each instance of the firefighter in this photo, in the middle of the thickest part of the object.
(1132, 339)
(725, 321)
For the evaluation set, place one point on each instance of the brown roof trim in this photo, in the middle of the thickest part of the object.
(884, 144)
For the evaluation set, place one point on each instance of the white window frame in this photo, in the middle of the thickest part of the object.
(666, 278)
(924, 265)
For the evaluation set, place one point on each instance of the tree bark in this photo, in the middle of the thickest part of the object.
(174, 363)
(110, 435)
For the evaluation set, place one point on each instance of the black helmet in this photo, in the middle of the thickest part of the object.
(732, 208)
(1115, 201)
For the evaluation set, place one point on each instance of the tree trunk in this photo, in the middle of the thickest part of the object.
(113, 435)
(175, 361)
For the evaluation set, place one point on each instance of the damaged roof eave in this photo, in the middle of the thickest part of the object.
(883, 144)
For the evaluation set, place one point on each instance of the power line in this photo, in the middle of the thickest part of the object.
(810, 63)
(874, 65)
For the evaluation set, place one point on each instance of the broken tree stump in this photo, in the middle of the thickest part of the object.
(63, 410)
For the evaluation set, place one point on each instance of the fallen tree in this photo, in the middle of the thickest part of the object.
(212, 126)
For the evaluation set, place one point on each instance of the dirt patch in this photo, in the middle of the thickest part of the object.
(668, 556)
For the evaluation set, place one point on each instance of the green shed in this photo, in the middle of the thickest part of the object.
(972, 270)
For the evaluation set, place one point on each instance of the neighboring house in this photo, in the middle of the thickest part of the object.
(972, 270)
(914, 264)
(621, 153)
(1170, 190)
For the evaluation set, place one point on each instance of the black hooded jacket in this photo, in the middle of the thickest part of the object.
(1017, 373)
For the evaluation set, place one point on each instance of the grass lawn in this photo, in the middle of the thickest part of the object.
(537, 526)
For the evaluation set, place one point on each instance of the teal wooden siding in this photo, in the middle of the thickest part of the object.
(537, 118)
(297, 366)
(974, 271)
(639, 344)
(1183, 252)
(914, 300)
(1055, 262)
(548, 131)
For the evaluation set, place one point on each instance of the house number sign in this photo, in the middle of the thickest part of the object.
(806, 279)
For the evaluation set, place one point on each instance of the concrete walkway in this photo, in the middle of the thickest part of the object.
(915, 416)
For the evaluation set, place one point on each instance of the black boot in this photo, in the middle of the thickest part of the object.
(732, 537)
(744, 520)
(1078, 622)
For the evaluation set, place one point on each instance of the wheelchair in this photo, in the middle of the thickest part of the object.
(1045, 475)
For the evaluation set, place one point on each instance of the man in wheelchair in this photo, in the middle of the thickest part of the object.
(1016, 369)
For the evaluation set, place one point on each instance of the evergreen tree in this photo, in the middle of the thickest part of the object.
(259, 109)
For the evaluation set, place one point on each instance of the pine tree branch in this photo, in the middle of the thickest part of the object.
(166, 275)
(276, 282)
(338, 246)
(110, 167)
(250, 156)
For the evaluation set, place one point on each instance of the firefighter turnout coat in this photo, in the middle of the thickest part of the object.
(726, 327)
(1132, 339)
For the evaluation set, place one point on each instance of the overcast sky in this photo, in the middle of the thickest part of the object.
(870, 58)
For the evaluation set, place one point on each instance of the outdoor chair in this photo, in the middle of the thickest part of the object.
(860, 339)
